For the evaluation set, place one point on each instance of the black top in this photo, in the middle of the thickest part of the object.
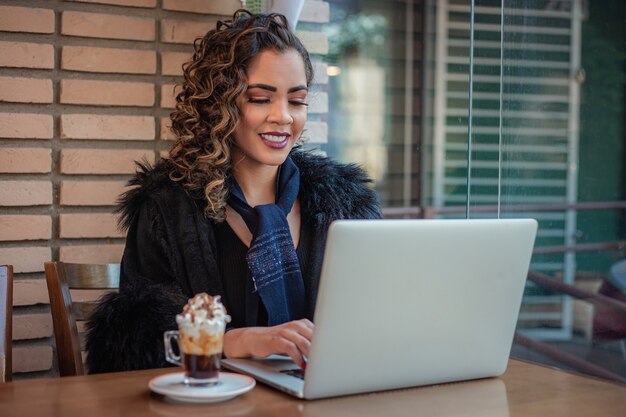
(243, 304)
(171, 254)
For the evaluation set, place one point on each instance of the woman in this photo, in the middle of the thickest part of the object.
(235, 211)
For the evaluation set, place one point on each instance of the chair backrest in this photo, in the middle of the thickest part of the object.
(6, 321)
(62, 277)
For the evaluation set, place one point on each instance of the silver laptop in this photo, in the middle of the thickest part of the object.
(404, 303)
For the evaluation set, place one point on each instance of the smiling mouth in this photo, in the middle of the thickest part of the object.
(275, 141)
(275, 138)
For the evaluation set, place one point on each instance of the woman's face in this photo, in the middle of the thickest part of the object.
(273, 109)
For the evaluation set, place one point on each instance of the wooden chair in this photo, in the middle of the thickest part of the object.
(62, 277)
(6, 321)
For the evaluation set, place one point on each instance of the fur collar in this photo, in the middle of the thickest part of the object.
(329, 190)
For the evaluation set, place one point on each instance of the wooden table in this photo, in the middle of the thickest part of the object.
(524, 390)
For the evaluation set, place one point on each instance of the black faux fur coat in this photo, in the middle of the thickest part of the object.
(170, 255)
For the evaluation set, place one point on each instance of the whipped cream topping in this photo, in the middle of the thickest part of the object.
(203, 312)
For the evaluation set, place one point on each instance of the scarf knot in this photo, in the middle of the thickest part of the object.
(272, 258)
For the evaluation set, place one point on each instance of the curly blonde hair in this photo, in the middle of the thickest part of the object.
(206, 112)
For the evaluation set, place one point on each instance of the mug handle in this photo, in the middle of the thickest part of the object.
(170, 356)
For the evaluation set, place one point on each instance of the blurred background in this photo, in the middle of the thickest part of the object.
(531, 126)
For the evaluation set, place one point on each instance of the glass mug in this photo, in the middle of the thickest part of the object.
(200, 363)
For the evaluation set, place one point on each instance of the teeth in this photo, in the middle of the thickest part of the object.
(273, 138)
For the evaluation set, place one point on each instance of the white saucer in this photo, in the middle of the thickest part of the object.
(229, 386)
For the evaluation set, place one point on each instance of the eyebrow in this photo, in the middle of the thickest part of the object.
(274, 89)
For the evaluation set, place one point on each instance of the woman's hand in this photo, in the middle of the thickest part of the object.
(292, 339)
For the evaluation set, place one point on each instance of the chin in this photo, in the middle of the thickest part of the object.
(274, 157)
(275, 160)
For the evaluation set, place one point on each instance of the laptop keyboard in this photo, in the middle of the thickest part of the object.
(298, 373)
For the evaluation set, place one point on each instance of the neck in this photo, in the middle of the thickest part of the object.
(258, 183)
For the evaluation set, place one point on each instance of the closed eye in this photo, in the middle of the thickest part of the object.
(267, 100)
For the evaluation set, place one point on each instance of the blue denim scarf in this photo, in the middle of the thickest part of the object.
(272, 258)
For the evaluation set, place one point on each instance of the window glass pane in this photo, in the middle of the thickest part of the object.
(374, 68)
(548, 143)
(540, 93)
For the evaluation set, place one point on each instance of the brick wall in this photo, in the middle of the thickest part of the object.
(86, 87)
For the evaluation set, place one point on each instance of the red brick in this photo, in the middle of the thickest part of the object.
(26, 259)
(107, 93)
(91, 254)
(28, 292)
(101, 161)
(316, 132)
(91, 193)
(315, 11)
(25, 227)
(183, 31)
(129, 3)
(166, 131)
(82, 225)
(25, 126)
(32, 326)
(26, 19)
(25, 193)
(320, 72)
(25, 90)
(113, 60)
(172, 62)
(315, 42)
(96, 25)
(222, 7)
(32, 358)
(25, 160)
(318, 103)
(26, 55)
(88, 295)
(168, 95)
(97, 126)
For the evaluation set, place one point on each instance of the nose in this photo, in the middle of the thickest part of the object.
(279, 113)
